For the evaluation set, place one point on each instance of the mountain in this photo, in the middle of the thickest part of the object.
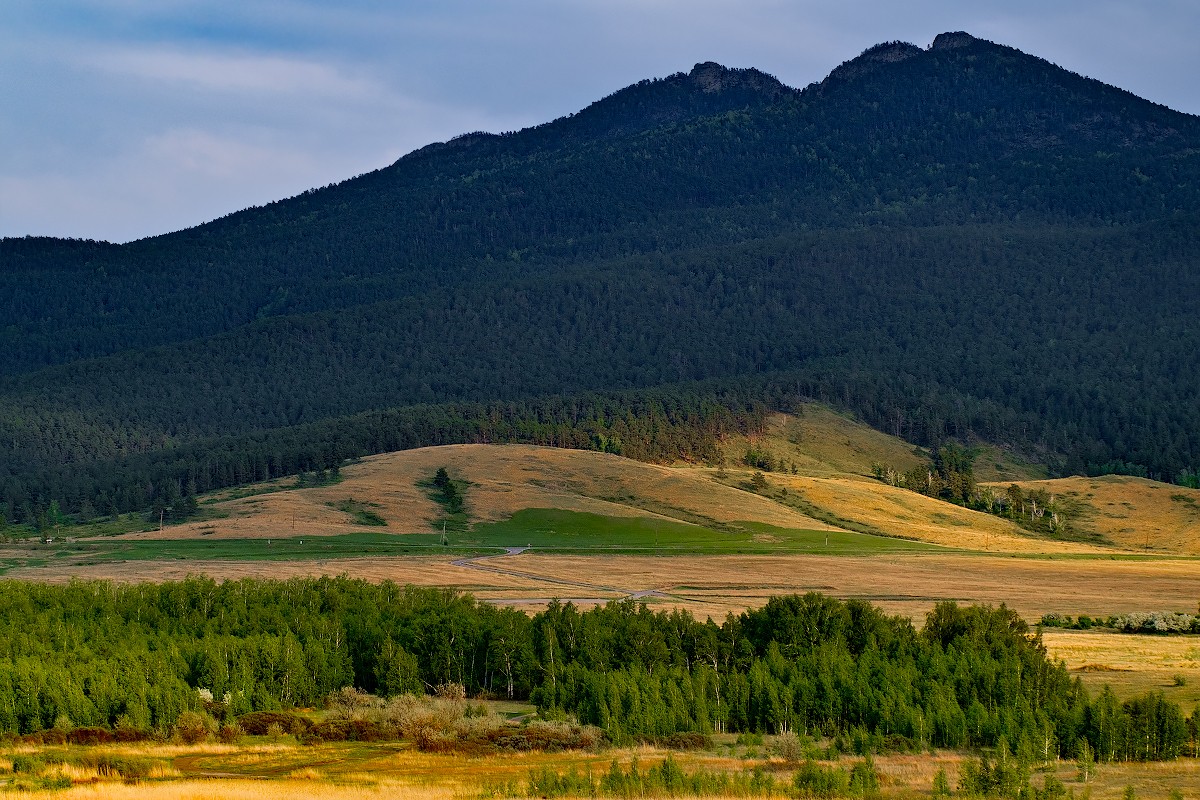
(960, 241)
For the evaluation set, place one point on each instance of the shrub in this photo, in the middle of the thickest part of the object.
(351, 703)
(548, 736)
(257, 723)
(109, 765)
(941, 783)
(790, 748)
(814, 780)
(125, 734)
(864, 780)
(91, 736)
(1052, 789)
(1155, 622)
(193, 727)
(683, 740)
(27, 765)
(230, 734)
(451, 691)
(348, 730)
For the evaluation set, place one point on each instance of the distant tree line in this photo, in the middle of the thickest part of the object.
(653, 425)
(135, 657)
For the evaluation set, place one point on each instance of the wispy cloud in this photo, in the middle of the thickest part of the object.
(234, 72)
(126, 118)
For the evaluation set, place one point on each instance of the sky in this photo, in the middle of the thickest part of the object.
(121, 119)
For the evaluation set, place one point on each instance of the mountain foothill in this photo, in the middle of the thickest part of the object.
(960, 243)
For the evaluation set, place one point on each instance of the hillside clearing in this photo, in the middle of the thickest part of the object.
(1133, 513)
(504, 480)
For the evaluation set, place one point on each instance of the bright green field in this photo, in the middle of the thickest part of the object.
(572, 531)
(542, 529)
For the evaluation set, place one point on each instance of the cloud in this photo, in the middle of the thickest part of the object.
(148, 139)
(126, 118)
(233, 72)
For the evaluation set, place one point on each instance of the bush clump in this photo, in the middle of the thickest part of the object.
(347, 730)
(194, 727)
(814, 780)
(1158, 622)
(91, 736)
(258, 723)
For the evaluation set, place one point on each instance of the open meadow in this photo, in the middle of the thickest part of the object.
(258, 770)
(538, 524)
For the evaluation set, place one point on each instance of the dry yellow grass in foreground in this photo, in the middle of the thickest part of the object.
(295, 789)
(350, 772)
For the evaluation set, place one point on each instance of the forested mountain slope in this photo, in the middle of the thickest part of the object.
(956, 241)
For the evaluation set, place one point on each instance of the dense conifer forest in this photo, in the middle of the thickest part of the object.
(955, 243)
(134, 658)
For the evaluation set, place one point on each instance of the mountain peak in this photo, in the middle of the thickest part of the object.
(951, 40)
(872, 58)
(711, 77)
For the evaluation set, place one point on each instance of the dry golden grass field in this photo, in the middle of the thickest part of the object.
(717, 585)
(822, 442)
(502, 479)
(967, 557)
(1131, 665)
(1132, 513)
(351, 771)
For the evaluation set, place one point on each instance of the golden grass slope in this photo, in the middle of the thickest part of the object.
(502, 479)
(1132, 513)
(821, 442)
(832, 454)
(898, 512)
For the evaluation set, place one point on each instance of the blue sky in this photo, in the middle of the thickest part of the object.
(130, 118)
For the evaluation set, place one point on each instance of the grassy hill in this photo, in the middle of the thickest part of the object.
(1132, 513)
(820, 483)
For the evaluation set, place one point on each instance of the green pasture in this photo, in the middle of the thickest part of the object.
(542, 529)
(556, 530)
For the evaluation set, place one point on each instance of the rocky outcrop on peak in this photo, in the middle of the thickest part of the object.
(710, 77)
(872, 59)
(951, 40)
